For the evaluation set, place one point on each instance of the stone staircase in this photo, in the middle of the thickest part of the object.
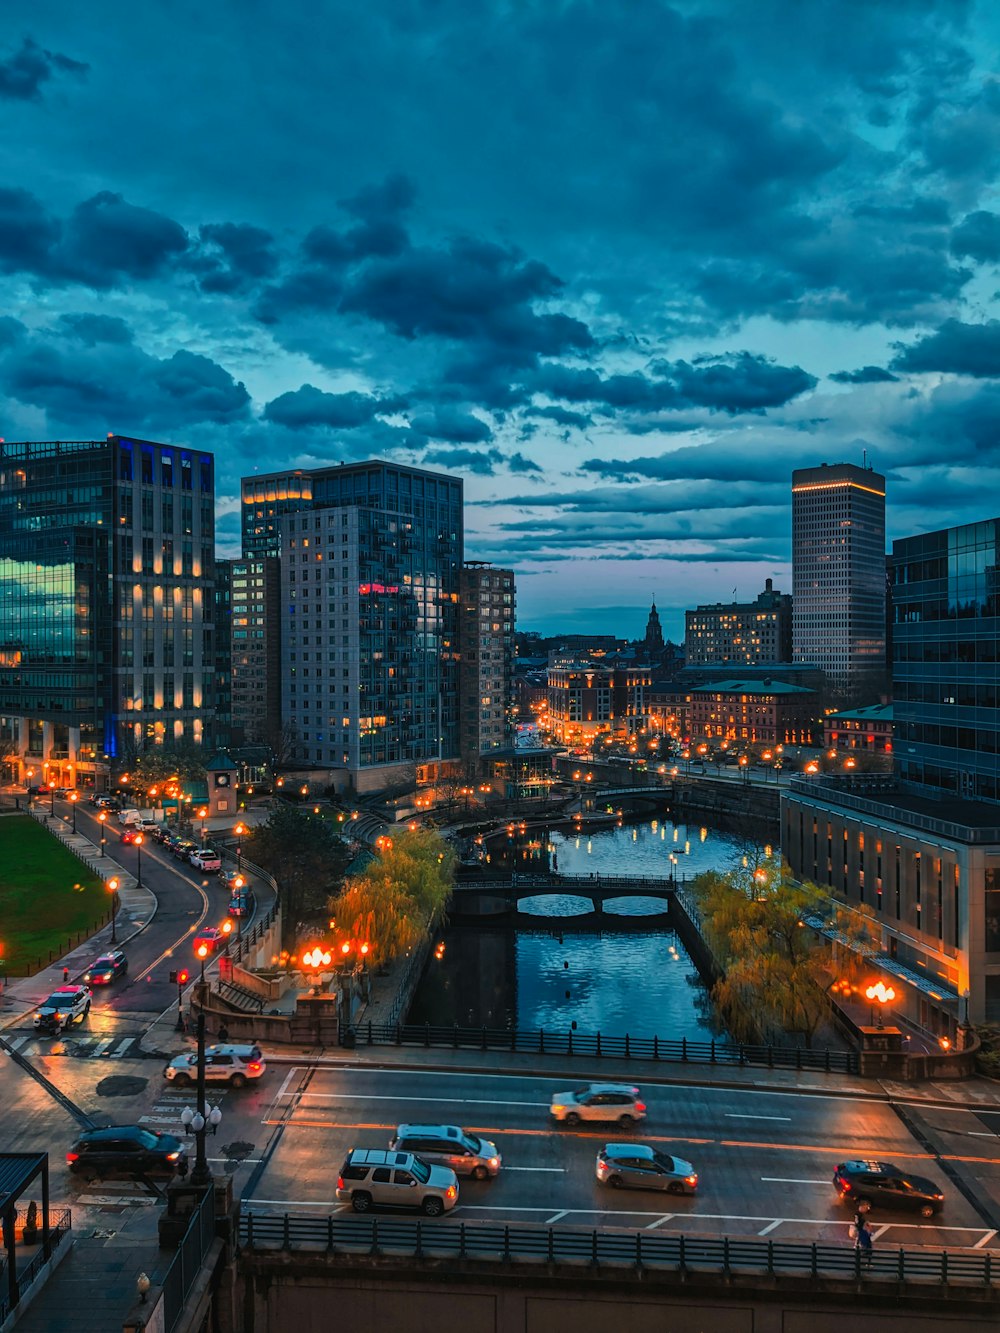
(239, 999)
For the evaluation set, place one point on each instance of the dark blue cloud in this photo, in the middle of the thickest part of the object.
(23, 74)
(956, 348)
(866, 375)
(456, 427)
(233, 257)
(107, 240)
(483, 462)
(309, 407)
(27, 232)
(93, 329)
(978, 237)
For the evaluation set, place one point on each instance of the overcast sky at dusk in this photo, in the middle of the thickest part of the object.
(622, 264)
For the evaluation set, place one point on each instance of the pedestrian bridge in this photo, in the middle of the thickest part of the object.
(502, 898)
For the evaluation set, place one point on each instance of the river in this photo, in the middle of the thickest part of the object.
(636, 981)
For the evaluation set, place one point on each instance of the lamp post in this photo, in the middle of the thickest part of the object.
(113, 890)
(202, 953)
(196, 1122)
(203, 815)
(52, 801)
(138, 852)
(239, 831)
(880, 994)
(182, 980)
(73, 798)
(102, 819)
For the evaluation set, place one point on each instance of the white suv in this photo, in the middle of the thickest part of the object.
(374, 1176)
(235, 1065)
(69, 1005)
(599, 1101)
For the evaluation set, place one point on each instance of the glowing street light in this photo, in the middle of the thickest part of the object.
(102, 819)
(73, 798)
(113, 890)
(880, 994)
(201, 953)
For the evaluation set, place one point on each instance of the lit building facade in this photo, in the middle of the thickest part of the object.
(866, 729)
(255, 650)
(838, 576)
(921, 851)
(740, 633)
(371, 557)
(753, 712)
(486, 646)
(587, 700)
(107, 571)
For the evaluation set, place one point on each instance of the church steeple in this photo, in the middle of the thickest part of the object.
(654, 632)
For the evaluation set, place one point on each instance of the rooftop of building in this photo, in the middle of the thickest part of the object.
(886, 797)
(869, 713)
(762, 686)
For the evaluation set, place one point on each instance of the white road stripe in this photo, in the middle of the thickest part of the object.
(18, 1042)
(792, 1180)
(557, 1170)
(770, 1226)
(102, 1046)
(334, 1207)
(114, 1200)
(985, 1240)
(880, 1231)
(556, 1217)
(737, 1115)
(667, 1217)
(414, 1097)
(121, 1048)
(159, 1120)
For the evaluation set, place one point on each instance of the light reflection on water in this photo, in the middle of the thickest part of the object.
(636, 981)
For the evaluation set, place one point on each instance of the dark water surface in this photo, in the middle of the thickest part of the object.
(615, 981)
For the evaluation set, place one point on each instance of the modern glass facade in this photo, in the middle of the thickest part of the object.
(946, 656)
(106, 569)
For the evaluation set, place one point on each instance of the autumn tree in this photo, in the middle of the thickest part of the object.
(399, 897)
(306, 856)
(760, 924)
(156, 766)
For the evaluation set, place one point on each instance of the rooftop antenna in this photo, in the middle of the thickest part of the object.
(864, 457)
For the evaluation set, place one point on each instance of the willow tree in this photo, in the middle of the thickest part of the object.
(399, 898)
(761, 925)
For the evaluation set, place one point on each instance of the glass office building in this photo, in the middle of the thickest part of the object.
(106, 576)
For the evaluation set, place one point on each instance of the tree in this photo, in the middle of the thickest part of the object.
(399, 897)
(760, 925)
(306, 856)
(157, 765)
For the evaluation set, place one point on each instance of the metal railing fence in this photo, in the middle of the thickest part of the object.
(188, 1260)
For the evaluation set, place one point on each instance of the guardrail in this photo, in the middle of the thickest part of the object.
(249, 938)
(188, 1260)
(59, 1228)
(638, 1251)
(543, 1041)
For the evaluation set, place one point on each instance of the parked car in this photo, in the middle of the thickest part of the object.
(235, 1065)
(182, 849)
(599, 1101)
(68, 1005)
(447, 1145)
(232, 880)
(210, 936)
(149, 826)
(61, 793)
(636, 1166)
(868, 1185)
(106, 969)
(241, 904)
(205, 858)
(126, 1150)
(161, 833)
(395, 1179)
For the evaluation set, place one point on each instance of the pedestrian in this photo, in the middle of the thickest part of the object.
(862, 1238)
(223, 1032)
(65, 976)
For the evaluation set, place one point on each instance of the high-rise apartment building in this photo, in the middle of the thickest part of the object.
(587, 700)
(371, 555)
(486, 645)
(255, 650)
(106, 592)
(838, 575)
(740, 633)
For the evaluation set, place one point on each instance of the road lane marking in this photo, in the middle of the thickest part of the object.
(411, 1097)
(667, 1217)
(556, 1217)
(880, 1231)
(771, 1226)
(121, 1048)
(985, 1240)
(288, 1078)
(792, 1180)
(558, 1170)
(738, 1115)
(102, 1046)
(333, 1206)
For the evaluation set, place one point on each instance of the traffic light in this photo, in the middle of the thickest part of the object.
(182, 977)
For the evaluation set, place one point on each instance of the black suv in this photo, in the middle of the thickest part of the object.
(882, 1185)
(127, 1150)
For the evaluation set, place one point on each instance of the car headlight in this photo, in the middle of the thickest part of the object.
(495, 1163)
(172, 1156)
(555, 1108)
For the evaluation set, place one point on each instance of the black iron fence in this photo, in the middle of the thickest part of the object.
(59, 1227)
(188, 1260)
(639, 1251)
(599, 1045)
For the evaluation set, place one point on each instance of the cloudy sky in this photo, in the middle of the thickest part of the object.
(621, 263)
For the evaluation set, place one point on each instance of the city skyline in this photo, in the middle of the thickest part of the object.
(622, 268)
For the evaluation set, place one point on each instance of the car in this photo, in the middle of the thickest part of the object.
(636, 1166)
(396, 1179)
(211, 937)
(149, 826)
(232, 880)
(241, 904)
(129, 815)
(448, 1145)
(106, 969)
(182, 849)
(235, 1065)
(61, 793)
(161, 834)
(868, 1185)
(130, 834)
(69, 1004)
(205, 858)
(126, 1150)
(40, 789)
(599, 1101)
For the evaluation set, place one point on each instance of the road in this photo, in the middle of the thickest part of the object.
(765, 1159)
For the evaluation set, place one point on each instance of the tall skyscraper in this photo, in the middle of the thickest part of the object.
(838, 575)
(371, 555)
(107, 555)
(486, 645)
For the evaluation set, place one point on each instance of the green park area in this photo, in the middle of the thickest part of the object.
(47, 897)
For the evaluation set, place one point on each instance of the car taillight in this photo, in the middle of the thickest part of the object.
(72, 1157)
(172, 1156)
(557, 1107)
(690, 1180)
(640, 1106)
(340, 1182)
(254, 1066)
(450, 1192)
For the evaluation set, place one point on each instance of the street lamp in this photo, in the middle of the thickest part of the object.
(196, 1121)
(73, 798)
(181, 977)
(881, 994)
(203, 815)
(227, 930)
(315, 960)
(239, 831)
(138, 852)
(202, 953)
(113, 890)
(102, 819)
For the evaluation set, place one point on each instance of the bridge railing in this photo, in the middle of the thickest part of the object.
(638, 1251)
(555, 883)
(597, 1045)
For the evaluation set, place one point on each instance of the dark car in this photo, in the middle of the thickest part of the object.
(161, 834)
(129, 835)
(106, 969)
(240, 904)
(182, 849)
(881, 1185)
(126, 1150)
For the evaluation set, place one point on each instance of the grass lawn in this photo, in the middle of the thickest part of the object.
(46, 894)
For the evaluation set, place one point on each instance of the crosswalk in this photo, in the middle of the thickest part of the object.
(165, 1114)
(80, 1048)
